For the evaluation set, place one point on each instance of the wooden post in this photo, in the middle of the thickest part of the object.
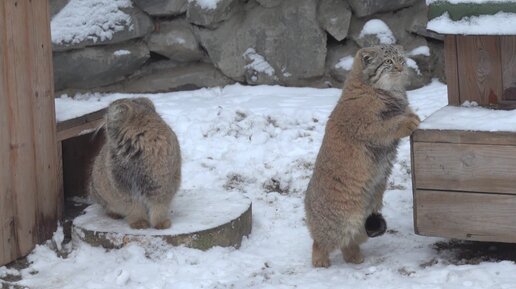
(30, 188)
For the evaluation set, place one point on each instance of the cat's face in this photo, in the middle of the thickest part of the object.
(384, 66)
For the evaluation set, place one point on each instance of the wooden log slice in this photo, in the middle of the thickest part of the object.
(200, 220)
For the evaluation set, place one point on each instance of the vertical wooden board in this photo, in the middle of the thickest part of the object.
(508, 50)
(7, 248)
(49, 199)
(465, 215)
(22, 154)
(465, 167)
(452, 77)
(479, 69)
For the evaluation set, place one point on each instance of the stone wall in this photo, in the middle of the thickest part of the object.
(167, 45)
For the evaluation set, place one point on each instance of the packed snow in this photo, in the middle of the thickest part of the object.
(206, 4)
(380, 29)
(192, 211)
(122, 52)
(501, 23)
(412, 64)
(97, 20)
(261, 142)
(345, 63)
(471, 118)
(421, 50)
(258, 62)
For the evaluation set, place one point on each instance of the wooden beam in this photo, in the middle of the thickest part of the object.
(451, 69)
(464, 215)
(464, 137)
(80, 125)
(508, 48)
(465, 167)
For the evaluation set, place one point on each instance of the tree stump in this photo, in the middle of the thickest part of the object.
(200, 220)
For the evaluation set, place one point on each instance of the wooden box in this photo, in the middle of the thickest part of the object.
(464, 184)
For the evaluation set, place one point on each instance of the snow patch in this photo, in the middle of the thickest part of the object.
(412, 64)
(380, 29)
(501, 23)
(258, 62)
(206, 4)
(421, 50)
(121, 52)
(472, 118)
(345, 63)
(97, 20)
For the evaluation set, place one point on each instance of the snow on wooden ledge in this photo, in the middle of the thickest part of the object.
(471, 118)
(200, 220)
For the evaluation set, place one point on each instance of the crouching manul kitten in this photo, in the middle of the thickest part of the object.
(357, 154)
(138, 170)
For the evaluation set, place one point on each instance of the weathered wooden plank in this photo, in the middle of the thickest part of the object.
(22, 152)
(7, 248)
(80, 125)
(508, 49)
(451, 69)
(468, 216)
(465, 167)
(50, 201)
(464, 137)
(479, 69)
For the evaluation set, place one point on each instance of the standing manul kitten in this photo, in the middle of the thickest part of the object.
(138, 170)
(357, 153)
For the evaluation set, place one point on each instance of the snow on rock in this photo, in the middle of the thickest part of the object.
(206, 4)
(261, 142)
(412, 64)
(122, 52)
(472, 118)
(345, 63)
(380, 29)
(421, 50)
(258, 62)
(97, 20)
(501, 23)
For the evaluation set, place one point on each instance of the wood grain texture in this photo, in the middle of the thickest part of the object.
(464, 137)
(479, 69)
(468, 216)
(465, 167)
(451, 69)
(80, 125)
(508, 48)
(29, 165)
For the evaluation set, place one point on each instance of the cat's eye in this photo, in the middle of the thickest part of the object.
(388, 61)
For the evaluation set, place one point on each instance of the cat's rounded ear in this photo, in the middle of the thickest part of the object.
(119, 109)
(145, 102)
(367, 55)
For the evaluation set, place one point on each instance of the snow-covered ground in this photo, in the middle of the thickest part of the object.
(261, 142)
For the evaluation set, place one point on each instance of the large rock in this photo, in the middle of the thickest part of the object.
(140, 25)
(97, 66)
(339, 60)
(269, 3)
(166, 76)
(162, 7)
(210, 15)
(368, 7)
(288, 38)
(56, 6)
(175, 40)
(334, 16)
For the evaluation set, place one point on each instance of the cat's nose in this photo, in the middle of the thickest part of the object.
(398, 66)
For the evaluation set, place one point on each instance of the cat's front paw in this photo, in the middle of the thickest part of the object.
(164, 224)
(139, 224)
(409, 124)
